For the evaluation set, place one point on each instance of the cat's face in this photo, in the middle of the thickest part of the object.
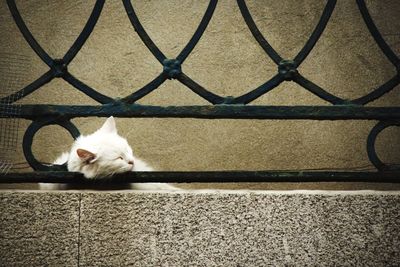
(102, 153)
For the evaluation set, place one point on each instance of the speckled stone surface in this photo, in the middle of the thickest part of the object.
(200, 228)
(240, 229)
(39, 229)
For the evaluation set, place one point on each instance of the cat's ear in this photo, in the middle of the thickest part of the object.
(86, 156)
(109, 126)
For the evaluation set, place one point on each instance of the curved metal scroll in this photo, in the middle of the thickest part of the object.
(28, 140)
(171, 67)
(291, 66)
(391, 56)
(58, 67)
(373, 157)
(287, 69)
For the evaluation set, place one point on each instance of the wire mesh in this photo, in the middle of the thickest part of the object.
(11, 80)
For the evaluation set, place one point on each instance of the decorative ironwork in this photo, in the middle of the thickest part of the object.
(221, 107)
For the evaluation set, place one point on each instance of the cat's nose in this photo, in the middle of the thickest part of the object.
(130, 162)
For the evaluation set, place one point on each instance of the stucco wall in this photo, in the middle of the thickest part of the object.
(228, 61)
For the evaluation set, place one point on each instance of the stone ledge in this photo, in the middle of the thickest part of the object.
(38, 229)
(200, 228)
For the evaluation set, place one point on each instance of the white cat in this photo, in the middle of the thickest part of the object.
(102, 154)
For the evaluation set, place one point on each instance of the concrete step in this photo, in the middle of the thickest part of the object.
(200, 228)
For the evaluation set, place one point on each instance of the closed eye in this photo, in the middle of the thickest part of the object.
(120, 158)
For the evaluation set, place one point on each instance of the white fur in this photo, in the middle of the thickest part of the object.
(62, 159)
(112, 155)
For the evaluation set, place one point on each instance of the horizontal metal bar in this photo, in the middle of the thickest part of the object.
(208, 177)
(337, 112)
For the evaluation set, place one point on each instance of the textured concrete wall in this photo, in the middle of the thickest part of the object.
(228, 61)
(39, 229)
(200, 229)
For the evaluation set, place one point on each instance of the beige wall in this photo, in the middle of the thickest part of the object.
(228, 61)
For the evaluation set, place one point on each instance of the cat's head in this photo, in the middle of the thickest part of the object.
(102, 153)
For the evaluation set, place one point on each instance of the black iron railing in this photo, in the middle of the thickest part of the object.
(221, 107)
